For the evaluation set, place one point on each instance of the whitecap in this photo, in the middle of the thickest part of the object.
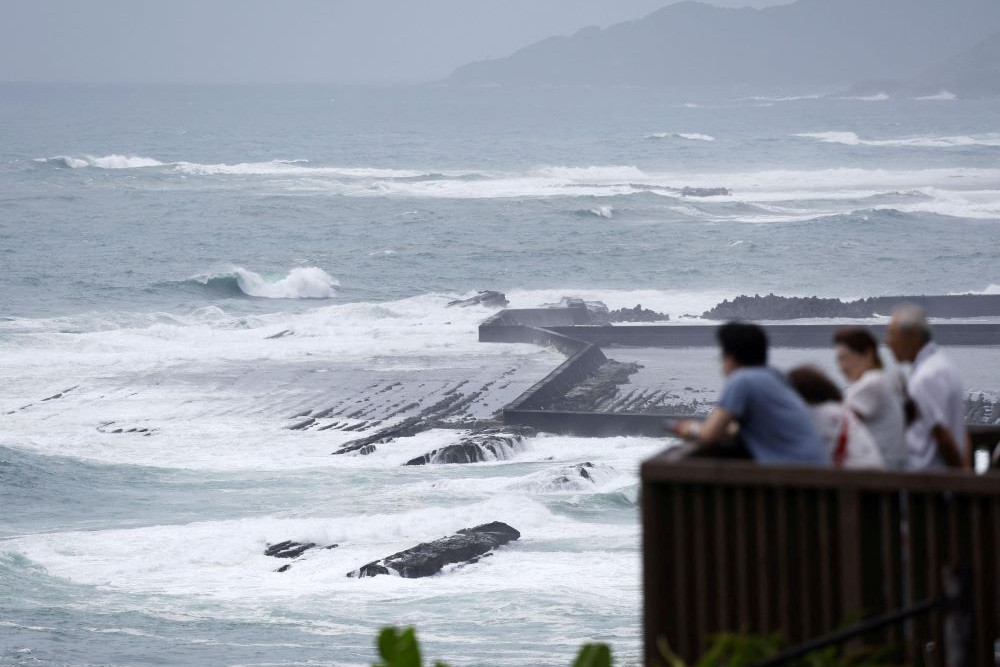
(878, 97)
(102, 162)
(991, 139)
(308, 282)
(944, 96)
(691, 136)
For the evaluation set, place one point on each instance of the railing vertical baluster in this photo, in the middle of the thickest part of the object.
(684, 600)
(721, 520)
(700, 534)
(826, 581)
(743, 563)
(763, 563)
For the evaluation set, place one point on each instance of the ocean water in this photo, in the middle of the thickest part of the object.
(185, 270)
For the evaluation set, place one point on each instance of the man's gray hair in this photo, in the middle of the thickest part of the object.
(911, 318)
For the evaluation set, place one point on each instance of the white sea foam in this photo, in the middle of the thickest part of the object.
(943, 96)
(219, 390)
(852, 139)
(223, 561)
(103, 162)
(693, 136)
(877, 97)
(789, 98)
(292, 168)
(602, 212)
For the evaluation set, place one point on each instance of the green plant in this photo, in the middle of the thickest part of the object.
(593, 655)
(399, 648)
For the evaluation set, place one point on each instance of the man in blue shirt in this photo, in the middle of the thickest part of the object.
(774, 422)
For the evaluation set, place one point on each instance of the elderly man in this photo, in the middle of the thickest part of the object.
(936, 437)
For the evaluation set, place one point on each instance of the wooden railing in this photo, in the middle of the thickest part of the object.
(736, 547)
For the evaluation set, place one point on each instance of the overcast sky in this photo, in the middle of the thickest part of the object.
(284, 40)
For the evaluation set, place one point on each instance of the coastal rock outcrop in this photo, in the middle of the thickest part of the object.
(773, 307)
(464, 547)
(637, 314)
(493, 444)
(488, 298)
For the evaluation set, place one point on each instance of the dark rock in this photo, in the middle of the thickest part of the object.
(303, 425)
(773, 307)
(280, 334)
(466, 546)
(284, 568)
(489, 298)
(493, 444)
(637, 314)
(287, 549)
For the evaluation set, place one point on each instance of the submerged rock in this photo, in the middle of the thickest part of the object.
(464, 547)
(290, 549)
(494, 444)
(705, 192)
(489, 298)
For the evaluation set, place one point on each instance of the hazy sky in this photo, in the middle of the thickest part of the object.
(284, 40)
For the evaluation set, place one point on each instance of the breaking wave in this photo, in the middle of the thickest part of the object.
(103, 162)
(991, 139)
(691, 136)
(944, 96)
(308, 282)
(878, 97)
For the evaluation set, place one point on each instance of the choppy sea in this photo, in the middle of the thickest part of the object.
(155, 240)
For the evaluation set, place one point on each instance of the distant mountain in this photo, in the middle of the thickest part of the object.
(973, 73)
(807, 43)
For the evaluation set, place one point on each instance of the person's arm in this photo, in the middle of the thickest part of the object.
(947, 447)
(711, 430)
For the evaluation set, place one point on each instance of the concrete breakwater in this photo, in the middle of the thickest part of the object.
(557, 403)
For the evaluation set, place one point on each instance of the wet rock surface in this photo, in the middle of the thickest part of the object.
(466, 546)
(493, 444)
(598, 388)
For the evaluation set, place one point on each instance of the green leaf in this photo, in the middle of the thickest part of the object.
(398, 649)
(593, 655)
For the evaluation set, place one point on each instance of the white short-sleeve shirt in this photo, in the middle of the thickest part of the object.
(936, 389)
(877, 398)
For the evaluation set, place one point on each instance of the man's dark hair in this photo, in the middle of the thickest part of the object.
(744, 342)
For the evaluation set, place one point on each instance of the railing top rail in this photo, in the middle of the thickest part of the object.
(746, 473)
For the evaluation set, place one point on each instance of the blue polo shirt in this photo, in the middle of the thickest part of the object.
(775, 422)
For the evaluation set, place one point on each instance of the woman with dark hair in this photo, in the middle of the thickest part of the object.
(850, 443)
(874, 395)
